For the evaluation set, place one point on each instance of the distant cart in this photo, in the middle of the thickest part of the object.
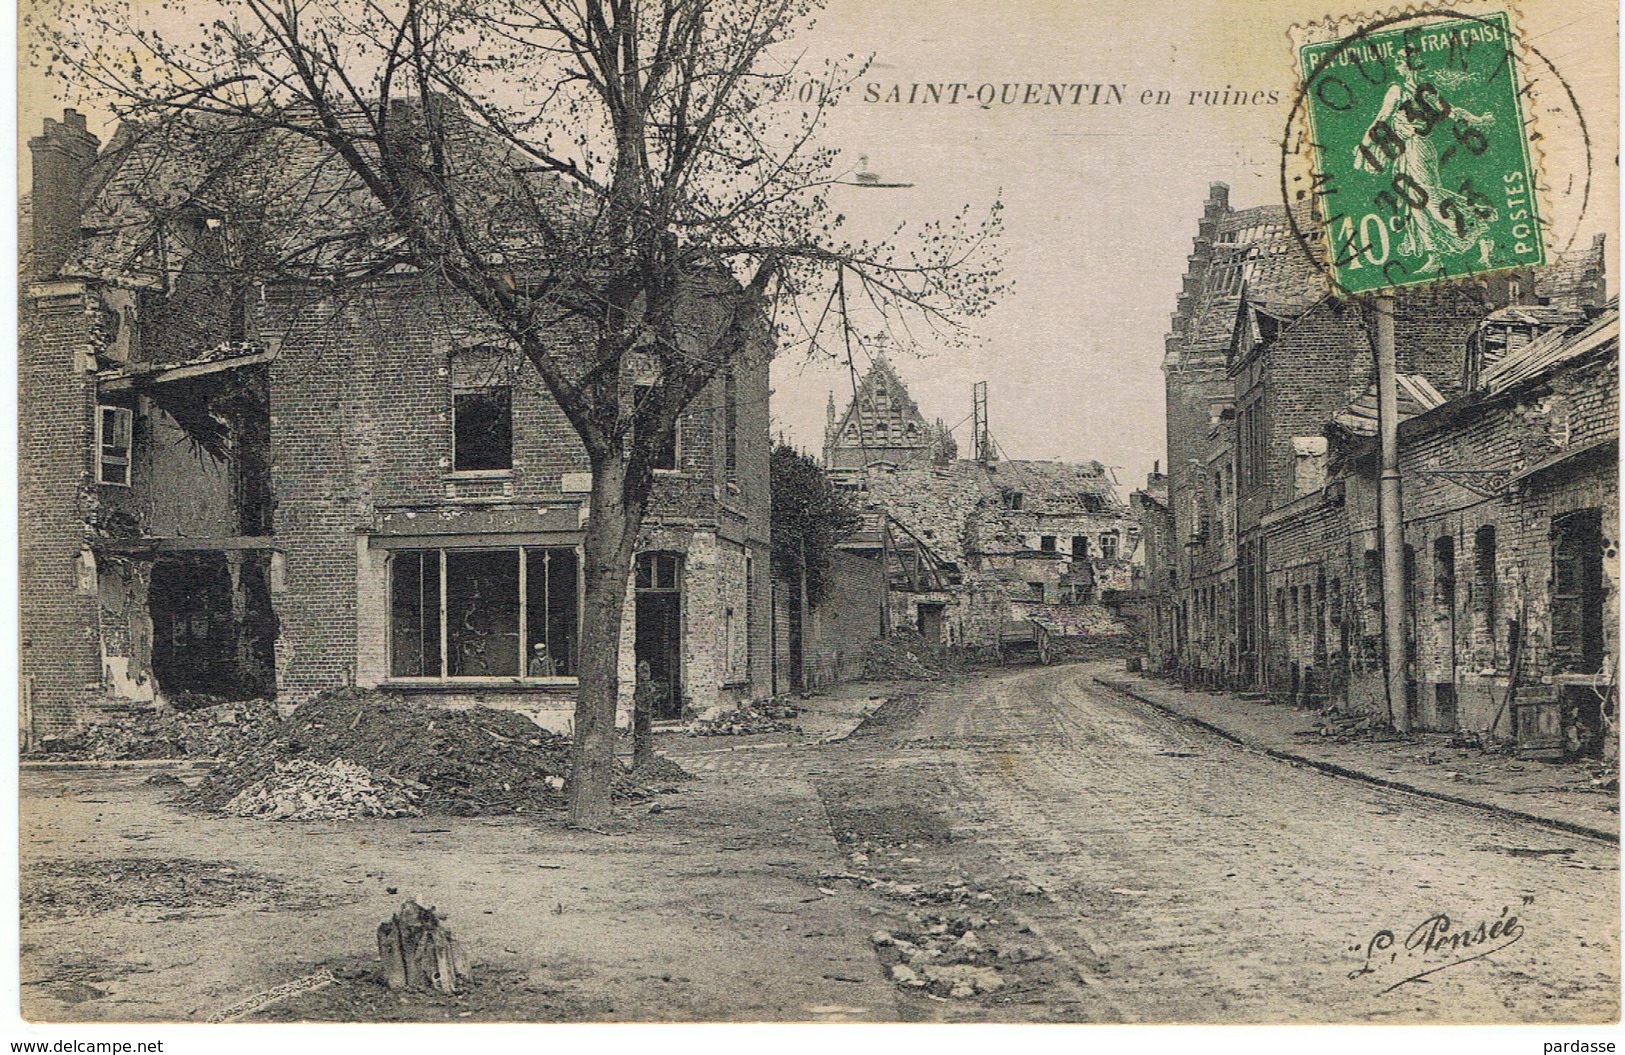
(1025, 637)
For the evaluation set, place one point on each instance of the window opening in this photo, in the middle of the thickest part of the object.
(114, 429)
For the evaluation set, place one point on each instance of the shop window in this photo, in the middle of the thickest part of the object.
(414, 614)
(114, 429)
(505, 613)
(482, 614)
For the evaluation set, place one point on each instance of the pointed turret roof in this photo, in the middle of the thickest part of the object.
(881, 415)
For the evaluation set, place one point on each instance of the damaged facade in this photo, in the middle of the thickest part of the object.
(1508, 399)
(973, 545)
(275, 489)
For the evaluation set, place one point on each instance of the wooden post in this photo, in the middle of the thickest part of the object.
(418, 953)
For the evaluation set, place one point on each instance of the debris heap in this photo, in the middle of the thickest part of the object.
(310, 791)
(207, 733)
(902, 656)
(465, 762)
(768, 717)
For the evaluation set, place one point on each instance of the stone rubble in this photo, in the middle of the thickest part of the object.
(339, 790)
(772, 716)
(944, 946)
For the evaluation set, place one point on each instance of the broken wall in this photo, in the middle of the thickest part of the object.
(838, 630)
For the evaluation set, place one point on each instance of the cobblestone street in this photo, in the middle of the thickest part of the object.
(1189, 879)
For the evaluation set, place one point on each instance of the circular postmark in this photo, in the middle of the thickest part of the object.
(1411, 154)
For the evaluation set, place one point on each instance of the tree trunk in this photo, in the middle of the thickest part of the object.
(612, 532)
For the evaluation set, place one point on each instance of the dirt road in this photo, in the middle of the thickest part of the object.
(1109, 863)
(1189, 880)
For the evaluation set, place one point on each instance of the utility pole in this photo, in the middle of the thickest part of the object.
(979, 427)
(1390, 519)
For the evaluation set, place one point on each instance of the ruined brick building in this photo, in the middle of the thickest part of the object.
(1509, 429)
(972, 544)
(277, 487)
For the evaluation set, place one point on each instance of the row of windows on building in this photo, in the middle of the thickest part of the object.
(497, 613)
(482, 433)
(1080, 545)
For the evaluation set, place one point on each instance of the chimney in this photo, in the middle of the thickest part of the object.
(63, 157)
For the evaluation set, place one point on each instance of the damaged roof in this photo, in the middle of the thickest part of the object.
(1058, 487)
(1254, 255)
(1553, 348)
(965, 506)
(1252, 250)
(281, 202)
(1416, 396)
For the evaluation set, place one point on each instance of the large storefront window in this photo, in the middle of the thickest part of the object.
(506, 613)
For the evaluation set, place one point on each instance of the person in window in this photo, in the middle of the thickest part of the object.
(541, 664)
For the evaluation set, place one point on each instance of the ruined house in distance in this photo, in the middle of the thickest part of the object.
(272, 488)
(972, 545)
(1270, 578)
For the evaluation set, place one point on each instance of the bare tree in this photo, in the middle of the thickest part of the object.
(643, 175)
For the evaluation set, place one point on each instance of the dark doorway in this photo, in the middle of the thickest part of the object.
(1577, 593)
(213, 628)
(659, 629)
(929, 618)
(798, 674)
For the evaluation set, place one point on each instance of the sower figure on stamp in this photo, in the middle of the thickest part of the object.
(1434, 221)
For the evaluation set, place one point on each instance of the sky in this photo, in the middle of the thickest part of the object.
(1101, 202)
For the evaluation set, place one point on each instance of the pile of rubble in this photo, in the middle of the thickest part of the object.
(772, 716)
(215, 732)
(904, 656)
(310, 791)
(943, 948)
(1347, 728)
(465, 762)
(942, 955)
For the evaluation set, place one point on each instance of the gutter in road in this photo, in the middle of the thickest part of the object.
(1366, 778)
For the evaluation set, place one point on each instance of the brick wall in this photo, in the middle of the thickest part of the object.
(361, 414)
(60, 661)
(837, 631)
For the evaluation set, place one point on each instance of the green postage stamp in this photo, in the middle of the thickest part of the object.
(1422, 162)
